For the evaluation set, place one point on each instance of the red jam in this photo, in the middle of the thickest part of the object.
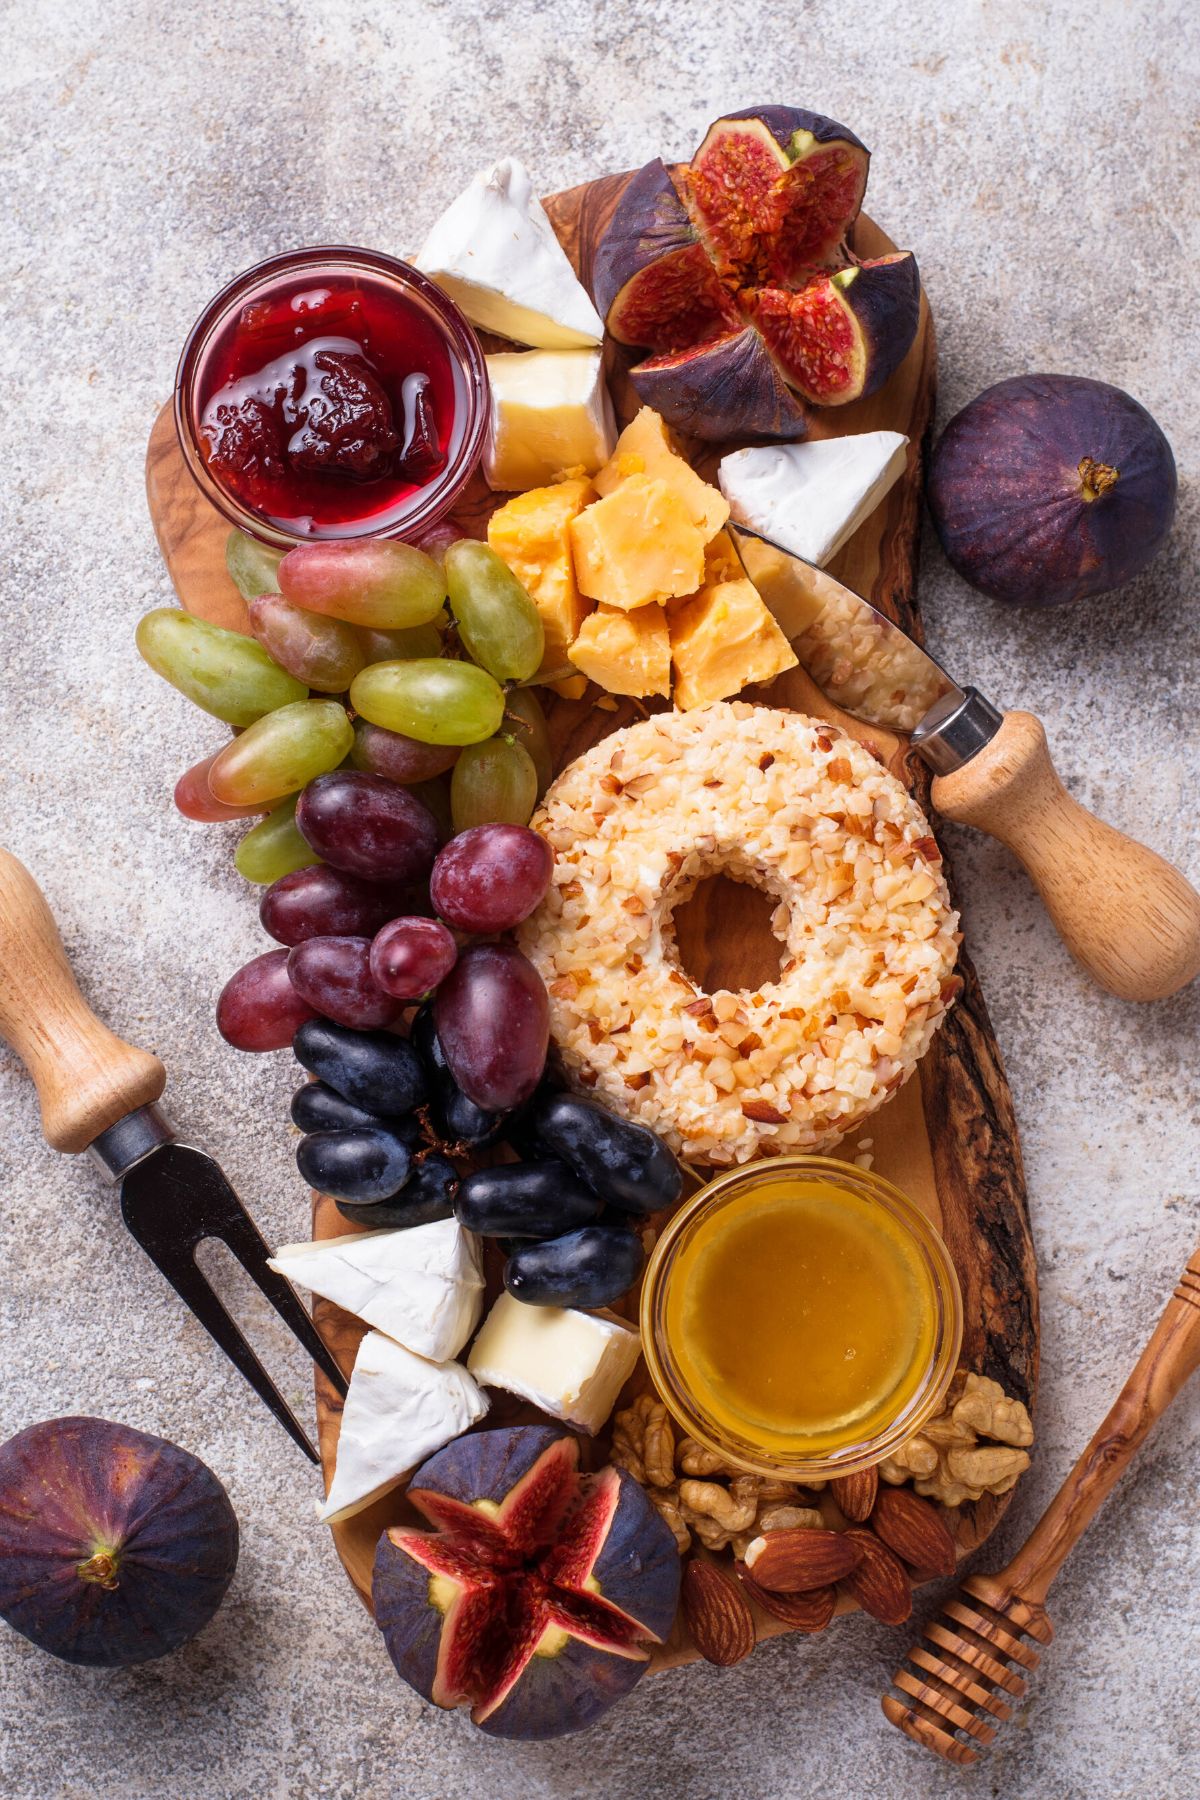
(325, 399)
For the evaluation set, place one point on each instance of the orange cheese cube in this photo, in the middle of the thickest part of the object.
(645, 448)
(638, 545)
(625, 652)
(722, 639)
(531, 532)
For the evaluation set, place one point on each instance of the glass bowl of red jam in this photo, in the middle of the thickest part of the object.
(332, 393)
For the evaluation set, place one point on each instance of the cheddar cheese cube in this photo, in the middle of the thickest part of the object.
(722, 639)
(645, 448)
(531, 532)
(625, 652)
(638, 545)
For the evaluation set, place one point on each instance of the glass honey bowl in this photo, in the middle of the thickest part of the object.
(801, 1318)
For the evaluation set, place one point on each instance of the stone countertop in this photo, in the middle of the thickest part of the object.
(1042, 164)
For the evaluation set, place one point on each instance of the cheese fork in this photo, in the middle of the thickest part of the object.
(100, 1094)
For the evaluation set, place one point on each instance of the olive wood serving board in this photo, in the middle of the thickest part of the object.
(949, 1137)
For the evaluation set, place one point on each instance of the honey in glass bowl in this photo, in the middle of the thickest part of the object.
(801, 1317)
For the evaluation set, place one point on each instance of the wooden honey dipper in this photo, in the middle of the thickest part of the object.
(958, 1684)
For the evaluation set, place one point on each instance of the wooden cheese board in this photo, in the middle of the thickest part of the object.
(949, 1137)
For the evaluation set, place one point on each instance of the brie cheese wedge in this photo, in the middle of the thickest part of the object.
(571, 1364)
(809, 498)
(399, 1410)
(422, 1286)
(494, 251)
(550, 412)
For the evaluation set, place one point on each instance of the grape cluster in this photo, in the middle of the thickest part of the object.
(354, 700)
(355, 661)
(385, 1116)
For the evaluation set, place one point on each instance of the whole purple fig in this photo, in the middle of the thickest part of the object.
(1051, 488)
(115, 1547)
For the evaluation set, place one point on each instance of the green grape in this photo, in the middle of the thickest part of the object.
(530, 731)
(365, 581)
(274, 848)
(281, 753)
(400, 646)
(493, 784)
(497, 621)
(323, 652)
(252, 565)
(224, 672)
(431, 699)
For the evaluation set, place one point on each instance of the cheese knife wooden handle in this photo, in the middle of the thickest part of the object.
(86, 1077)
(1123, 912)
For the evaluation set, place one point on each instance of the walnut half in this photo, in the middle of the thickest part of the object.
(945, 1461)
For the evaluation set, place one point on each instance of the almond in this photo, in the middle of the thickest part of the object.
(717, 1614)
(879, 1581)
(803, 1612)
(796, 1561)
(915, 1530)
(855, 1494)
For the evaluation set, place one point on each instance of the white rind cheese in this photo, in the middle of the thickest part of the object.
(550, 412)
(422, 1286)
(399, 1410)
(571, 1364)
(809, 498)
(494, 252)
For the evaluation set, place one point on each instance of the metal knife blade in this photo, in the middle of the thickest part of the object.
(858, 658)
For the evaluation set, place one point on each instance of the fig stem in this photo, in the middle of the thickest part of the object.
(100, 1567)
(1095, 478)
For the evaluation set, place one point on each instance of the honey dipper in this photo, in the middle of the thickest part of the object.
(958, 1685)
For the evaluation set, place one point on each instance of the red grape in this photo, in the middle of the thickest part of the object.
(367, 826)
(383, 752)
(322, 902)
(334, 975)
(491, 877)
(410, 956)
(492, 1019)
(195, 799)
(258, 1008)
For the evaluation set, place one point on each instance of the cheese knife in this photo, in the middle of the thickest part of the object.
(101, 1095)
(1127, 915)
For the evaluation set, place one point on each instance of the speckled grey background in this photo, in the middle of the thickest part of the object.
(1042, 162)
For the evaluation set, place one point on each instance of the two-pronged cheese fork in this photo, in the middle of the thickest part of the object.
(100, 1095)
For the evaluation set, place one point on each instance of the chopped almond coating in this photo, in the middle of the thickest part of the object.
(645, 448)
(626, 652)
(531, 532)
(722, 640)
(637, 545)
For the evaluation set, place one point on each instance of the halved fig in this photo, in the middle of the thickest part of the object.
(843, 335)
(730, 386)
(775, 189)
(536, 1597)
(652, 281)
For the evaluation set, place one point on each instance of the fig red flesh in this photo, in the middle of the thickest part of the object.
(843, 335)
(734, 270)
(652, 277)
(776, 189)
(1048, 489)
(537, 1596)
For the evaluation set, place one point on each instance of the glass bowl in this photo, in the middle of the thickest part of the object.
(400, 298)
(798, 1458)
